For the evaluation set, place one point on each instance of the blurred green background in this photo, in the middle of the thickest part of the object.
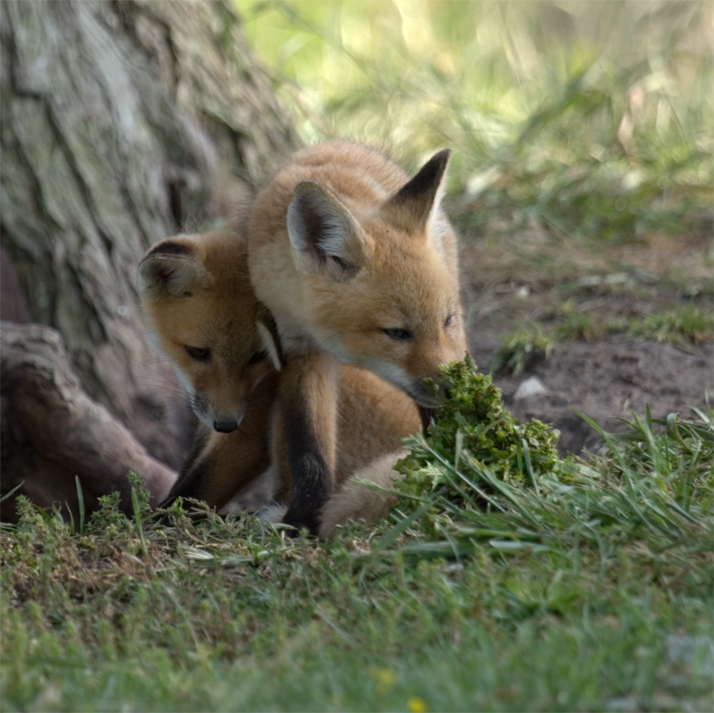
(596, 117)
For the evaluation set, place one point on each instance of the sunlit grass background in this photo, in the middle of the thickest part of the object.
(596, 117)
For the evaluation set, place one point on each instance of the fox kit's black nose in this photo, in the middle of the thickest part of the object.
(225, 426)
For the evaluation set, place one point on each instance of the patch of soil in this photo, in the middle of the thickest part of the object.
(526, 279)
(528, 276)
(606, 381)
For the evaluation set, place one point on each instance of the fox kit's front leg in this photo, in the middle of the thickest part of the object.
(308, 419)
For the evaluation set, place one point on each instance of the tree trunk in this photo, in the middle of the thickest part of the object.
(120, 122)
(53, 432)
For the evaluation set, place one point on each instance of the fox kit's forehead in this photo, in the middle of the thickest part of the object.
(212, 303)
(411, 302)
(409, 254)
(215, 318)
(225, 258)
(391, 294)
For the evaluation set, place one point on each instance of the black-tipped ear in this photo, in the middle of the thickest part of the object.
(268, 331)
(419, 196)
(324, 234)
(171, 269)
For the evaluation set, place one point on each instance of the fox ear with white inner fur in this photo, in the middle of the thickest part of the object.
(324, 235)
(418, 200)
(170, 269)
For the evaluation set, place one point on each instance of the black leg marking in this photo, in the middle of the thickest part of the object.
(310, 472)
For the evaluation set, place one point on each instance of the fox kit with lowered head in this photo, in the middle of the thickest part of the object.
(197, 295)
(358, 265)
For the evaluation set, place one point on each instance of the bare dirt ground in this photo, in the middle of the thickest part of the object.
(537, 283)
(607, 381)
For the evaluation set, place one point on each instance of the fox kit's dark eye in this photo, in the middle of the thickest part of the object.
(258, 356)
(449, 320)
(399, 335)
(198, 354)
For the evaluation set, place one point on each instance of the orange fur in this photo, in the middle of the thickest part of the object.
(196, 293)
(202, 297)
(357, 264)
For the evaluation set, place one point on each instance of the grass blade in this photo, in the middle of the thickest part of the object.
(138, 522)
(80, 503)
(389, 539)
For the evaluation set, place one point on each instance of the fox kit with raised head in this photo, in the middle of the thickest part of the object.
(357, 264)
(197, 296)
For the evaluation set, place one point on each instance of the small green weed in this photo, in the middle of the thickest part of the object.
(474, 424)
(690, 325)
(522, 350)
(576, 325)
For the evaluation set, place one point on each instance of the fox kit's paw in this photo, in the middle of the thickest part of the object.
(299, 519)
(275, 512)
(356, 501)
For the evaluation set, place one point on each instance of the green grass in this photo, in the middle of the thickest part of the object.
(684, 326)
(480, 475)
(521, 350)
(505, 579)
(592, 118)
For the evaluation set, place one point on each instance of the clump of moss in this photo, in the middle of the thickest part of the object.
(475, 431)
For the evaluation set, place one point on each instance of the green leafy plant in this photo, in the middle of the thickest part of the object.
(690, 325)
(480, 476)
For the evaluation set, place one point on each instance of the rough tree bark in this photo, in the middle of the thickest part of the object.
(52, 431)
(119, 122)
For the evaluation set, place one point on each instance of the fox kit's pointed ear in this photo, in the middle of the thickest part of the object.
(418, 200)
(171, 269)
(324, 235)
(268, 331)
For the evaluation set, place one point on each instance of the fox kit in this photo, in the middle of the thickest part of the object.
(358, 265)
(197, 295)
